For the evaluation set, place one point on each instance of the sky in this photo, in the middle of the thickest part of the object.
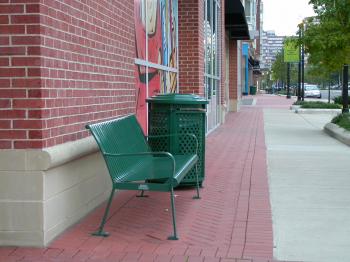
(283, 16)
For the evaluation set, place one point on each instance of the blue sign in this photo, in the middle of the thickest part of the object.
(245, 49)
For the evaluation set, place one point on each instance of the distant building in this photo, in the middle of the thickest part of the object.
(271, 45)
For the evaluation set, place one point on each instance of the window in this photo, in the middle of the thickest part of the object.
(212, 48)
(247, 8)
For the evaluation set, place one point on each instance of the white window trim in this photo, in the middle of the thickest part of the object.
(154, 65)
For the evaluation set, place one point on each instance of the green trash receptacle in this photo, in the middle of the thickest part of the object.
(179, 114)
(252, 90)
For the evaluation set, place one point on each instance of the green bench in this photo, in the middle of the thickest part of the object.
(133, 166)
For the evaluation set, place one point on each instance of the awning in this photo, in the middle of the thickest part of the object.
(254, 64)
(235, 20)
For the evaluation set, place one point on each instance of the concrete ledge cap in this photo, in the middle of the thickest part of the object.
(338, 133)
(294, 107)
(47, 158)
(317, 111)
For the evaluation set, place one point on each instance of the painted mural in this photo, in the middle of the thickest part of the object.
(156, 21)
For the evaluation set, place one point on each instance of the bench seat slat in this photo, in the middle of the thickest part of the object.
(150, 168)
(184, 164)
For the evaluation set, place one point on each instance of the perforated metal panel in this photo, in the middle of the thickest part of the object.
(159, 124)
(192, 122)
(167, 119)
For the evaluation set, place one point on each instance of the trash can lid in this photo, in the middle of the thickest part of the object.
(174, 98)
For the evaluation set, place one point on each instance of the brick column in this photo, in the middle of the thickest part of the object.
(233, 90)
(191, 46)
(222, 55)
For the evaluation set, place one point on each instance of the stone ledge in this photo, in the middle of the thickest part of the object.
(234, 105)
(317, 111)
(338, 133)
(47, 158)
(294, 107)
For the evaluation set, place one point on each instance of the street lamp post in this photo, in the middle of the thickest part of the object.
(288, 80)
(345, 92)
(301, 64)
(302, 72)
(299, 68)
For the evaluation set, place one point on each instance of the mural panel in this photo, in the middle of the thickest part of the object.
(168, 82)
(156, 23)
(141, 94)
(154, 31)
(169, 23)
(140, 28)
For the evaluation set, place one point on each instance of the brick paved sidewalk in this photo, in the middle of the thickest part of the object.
(232, 221)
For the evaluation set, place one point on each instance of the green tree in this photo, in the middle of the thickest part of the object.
(327, 35)
(279, 68)
(316, 74)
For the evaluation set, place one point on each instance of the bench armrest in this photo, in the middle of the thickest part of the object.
(129, 155)
(171, 135)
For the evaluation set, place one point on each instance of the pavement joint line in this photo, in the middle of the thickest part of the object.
(250, 186)
(309, 122)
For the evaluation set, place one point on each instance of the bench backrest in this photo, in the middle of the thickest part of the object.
(120, 136)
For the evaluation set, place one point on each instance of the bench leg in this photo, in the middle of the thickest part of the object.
(142, 194)
(174, 237)
(100, 231)
(197, 187)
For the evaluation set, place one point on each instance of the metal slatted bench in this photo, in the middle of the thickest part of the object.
(133, 166)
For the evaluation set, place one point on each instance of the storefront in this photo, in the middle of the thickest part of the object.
(212, 44)
(237, 32)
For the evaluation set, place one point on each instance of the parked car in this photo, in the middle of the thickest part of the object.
(312, 91)
(336, 87)
(339, 86)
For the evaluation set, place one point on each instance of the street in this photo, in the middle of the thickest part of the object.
(334, 93)
(324, 94)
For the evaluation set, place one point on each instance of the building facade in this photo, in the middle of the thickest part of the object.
(64, 64)
(271, 45)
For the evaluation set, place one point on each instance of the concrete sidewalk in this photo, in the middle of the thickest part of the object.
(309, 178)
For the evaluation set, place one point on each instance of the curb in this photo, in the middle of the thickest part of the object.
(338, 133)
(254, 102)
(317, 111)
(248, 102)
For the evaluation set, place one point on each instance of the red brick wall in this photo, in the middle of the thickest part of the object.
(191, 46)
(63, 63)
(233, 70)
